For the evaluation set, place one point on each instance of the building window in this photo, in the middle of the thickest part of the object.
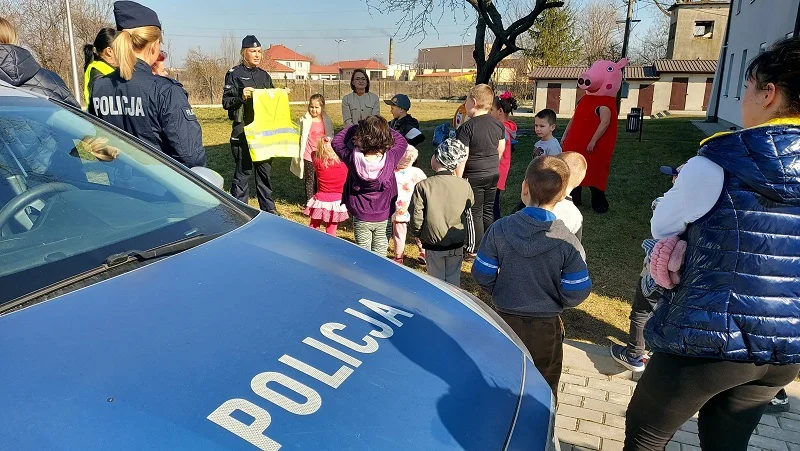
(741, 75)
(374, 75)
(762, 48)
(728, 78)
(704, 29)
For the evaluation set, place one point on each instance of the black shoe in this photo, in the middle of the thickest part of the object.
(599, 201)
(780, 403)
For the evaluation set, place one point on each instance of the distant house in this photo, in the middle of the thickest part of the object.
(697, 29)
(667, 85)
(300, 64)
(374, 69)
(450, 58)
(276, 70)
(753, 27)
(318, 72)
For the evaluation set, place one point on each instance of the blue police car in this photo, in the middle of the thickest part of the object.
(143, 308)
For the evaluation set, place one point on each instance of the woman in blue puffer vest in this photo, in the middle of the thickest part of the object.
(728, 337)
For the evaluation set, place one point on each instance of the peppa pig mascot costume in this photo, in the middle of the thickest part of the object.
(592, 131)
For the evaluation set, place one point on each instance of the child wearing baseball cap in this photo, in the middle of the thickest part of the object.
(403, 122)
(441, 207)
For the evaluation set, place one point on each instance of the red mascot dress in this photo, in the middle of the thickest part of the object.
(584, 124)
(595, 114)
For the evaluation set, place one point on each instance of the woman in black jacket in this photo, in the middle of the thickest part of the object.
(19, 68)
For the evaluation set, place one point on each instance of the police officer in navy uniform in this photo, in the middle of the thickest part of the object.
(153, 108)
(237, 98)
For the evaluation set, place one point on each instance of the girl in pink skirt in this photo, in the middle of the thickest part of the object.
(326, 205)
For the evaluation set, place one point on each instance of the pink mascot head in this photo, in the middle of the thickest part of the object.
(604, 78)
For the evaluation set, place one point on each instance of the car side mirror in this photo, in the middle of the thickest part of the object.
(209, 175)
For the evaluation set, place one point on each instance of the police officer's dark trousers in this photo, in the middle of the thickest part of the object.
(240, 186)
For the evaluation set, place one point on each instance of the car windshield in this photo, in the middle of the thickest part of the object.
(74, 192)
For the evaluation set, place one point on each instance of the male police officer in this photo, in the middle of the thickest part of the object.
(237, 98)
(153, 108)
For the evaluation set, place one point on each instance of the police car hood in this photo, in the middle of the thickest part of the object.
(273, 327)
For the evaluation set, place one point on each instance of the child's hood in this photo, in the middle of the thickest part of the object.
(532, 236)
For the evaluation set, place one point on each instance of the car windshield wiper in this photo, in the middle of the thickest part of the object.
(114, 261)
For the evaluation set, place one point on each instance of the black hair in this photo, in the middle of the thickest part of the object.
(548, 115)
(103, 40)
(507, 105)
(780, 65)
(352, 77)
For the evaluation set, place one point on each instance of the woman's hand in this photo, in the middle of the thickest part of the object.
(247, 93)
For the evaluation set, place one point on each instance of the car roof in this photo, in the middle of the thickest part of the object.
(7, 90)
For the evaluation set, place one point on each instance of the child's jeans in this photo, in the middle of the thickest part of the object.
(544, 338)
(445, 265)
(371, 236)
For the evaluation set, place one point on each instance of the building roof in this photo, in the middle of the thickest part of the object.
(360, 64)
(631, 72)
(687, 66)
(282, 53)
(324, 70)
(682, 3)
(274, 66)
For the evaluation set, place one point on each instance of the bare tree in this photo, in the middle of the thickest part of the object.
(600, 31)
(230, 50)
(419, 16)
(204, 76)
(654, 44)
(312, 57)
(42, 28)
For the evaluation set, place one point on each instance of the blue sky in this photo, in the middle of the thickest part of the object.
(312, 26)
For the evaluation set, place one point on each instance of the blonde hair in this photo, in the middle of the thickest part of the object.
(8, 34)
(408, 158)
(483, 96)
(130, 41)
(577, 167)
(325, 152)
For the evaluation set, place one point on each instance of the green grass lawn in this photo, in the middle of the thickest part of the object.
(612, 240)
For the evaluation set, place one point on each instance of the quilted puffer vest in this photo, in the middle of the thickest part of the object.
(739, 296)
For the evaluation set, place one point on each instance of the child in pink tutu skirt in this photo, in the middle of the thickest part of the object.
(326, 205)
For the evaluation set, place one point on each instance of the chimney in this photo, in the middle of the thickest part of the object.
(391, 45)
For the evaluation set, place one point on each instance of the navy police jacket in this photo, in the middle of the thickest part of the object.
(739, 296)
(153, 108)
(240, 111)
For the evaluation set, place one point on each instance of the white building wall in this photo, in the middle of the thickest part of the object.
(758, 22)
(301, 69)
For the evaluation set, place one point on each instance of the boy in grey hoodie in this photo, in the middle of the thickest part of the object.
(534, 267)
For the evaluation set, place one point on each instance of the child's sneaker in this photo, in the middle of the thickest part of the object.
(780, 403)
(620, 354)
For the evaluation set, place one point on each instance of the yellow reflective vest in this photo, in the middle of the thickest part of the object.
(100, 66)
(272, 134)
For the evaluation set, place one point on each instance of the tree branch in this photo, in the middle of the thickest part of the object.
(663, 10)
(522, 25)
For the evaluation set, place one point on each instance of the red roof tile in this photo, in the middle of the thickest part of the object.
(274, 66)
(569, 73)
(324, 70)
(282, 53)
(360, 64)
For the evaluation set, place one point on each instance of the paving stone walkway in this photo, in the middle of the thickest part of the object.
(594, 393)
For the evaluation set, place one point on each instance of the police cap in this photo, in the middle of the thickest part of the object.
(250, 41)
(133, 15)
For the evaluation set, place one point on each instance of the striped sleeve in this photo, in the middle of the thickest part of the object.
(576, 284)
(487, 263)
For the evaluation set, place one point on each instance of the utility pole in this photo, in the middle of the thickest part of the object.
(339, 66)
(625, 39)
(75, 81)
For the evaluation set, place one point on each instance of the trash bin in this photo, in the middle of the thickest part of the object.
(634, 123)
